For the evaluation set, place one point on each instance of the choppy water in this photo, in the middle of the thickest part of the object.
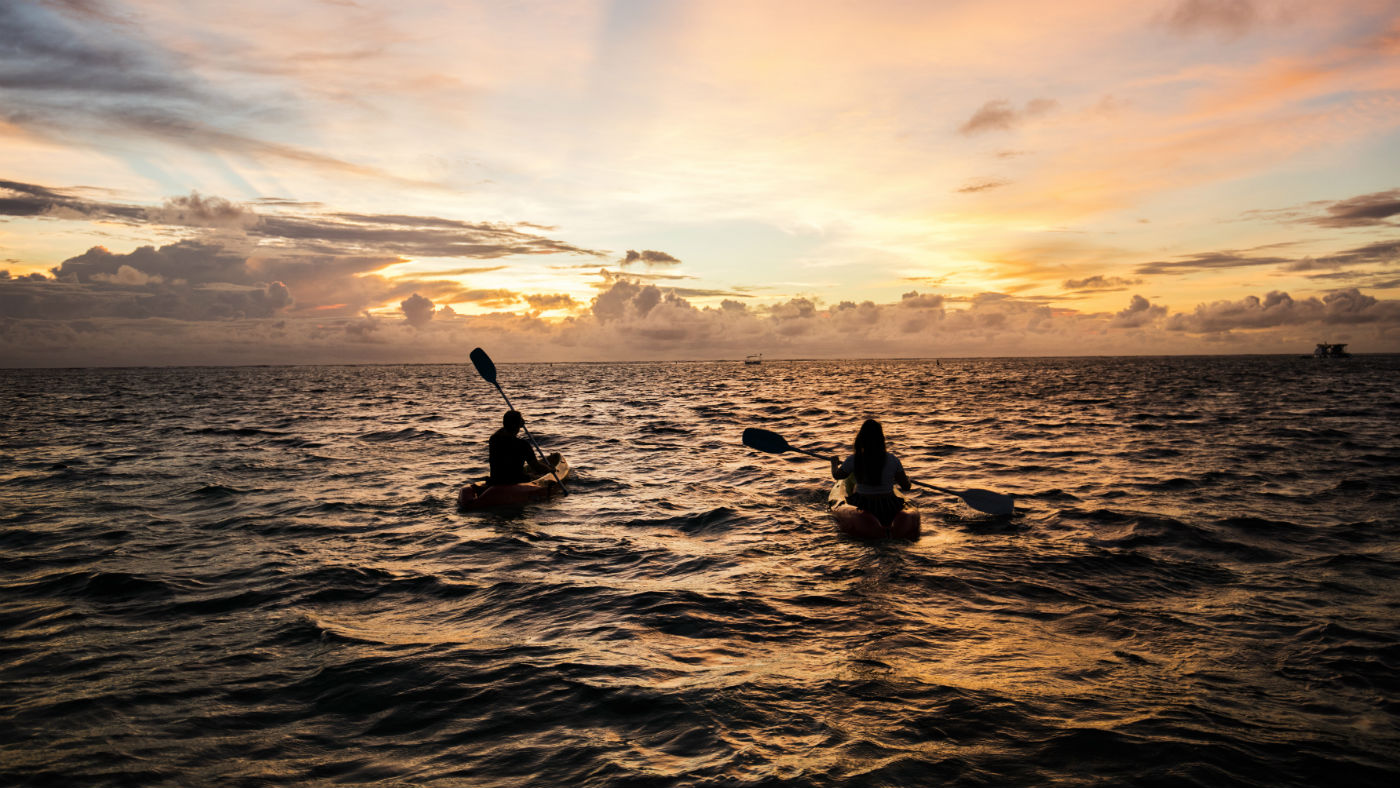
(256, 576)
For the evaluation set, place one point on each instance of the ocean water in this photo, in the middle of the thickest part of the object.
(257, 576)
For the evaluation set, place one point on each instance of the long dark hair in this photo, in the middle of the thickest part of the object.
(870, 452)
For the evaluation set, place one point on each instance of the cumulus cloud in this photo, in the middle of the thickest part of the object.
(126, 275)
(198, 211)
(866, 313)
(1140, 312)
(547, 301)
(417, 310)
(245, 262)
(279, 296)
(632, 320)
(202, 280)
(644, 315)
(1353, 306)
(363, 329)
(915, 300)
(794, 309)
(1278, 308)
(625, 298)
(186, 261)
(648, 257)
(1001, 115)
(141, 285)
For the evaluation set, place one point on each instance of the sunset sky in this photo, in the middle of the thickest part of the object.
(340, 181)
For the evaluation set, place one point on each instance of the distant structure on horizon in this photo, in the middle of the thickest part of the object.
(1325, 350)
(753, 358)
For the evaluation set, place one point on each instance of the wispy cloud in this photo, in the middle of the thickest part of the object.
(73, 70)
(1367, 210)
(1001, 115)
(1206, 261)
(982, 185)
(319, 233)
(1099, 283)
(1229, 17)
(648, 257)
(1379, 253)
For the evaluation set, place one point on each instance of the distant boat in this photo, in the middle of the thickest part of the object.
(753, 358)
(1325, 350)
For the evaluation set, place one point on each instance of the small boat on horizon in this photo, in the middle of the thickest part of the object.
(753, 358)
(1326, 350)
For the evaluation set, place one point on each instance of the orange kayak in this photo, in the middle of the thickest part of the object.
(484, 496)
(864, 525)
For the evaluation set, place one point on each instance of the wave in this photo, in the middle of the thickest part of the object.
(1194, 590)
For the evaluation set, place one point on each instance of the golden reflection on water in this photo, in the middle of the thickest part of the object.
(221, 581)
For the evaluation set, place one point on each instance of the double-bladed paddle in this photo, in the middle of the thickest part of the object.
(487, 368)
(981, 500)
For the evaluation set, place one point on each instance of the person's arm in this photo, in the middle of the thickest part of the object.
(530, 459)
(900, 477)
(839, 470)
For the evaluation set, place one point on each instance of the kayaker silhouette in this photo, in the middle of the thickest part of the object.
(510, 454)
(876, 471)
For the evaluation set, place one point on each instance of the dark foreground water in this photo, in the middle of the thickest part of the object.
(257, 576)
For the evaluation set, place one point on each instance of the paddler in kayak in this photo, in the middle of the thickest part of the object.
(511, 454)
(876, 471)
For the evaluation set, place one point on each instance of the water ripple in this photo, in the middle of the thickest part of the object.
(257, 576)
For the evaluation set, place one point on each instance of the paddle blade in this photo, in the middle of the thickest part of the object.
(765, 440)
(484, 365)
(988, 501)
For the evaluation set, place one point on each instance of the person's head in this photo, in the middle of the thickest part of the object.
(870, 439)
(870, 452)
(513, 420)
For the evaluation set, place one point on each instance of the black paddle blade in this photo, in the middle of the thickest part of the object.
(484, 365)
(765, 440)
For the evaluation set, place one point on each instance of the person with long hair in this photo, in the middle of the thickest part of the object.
(877, 471)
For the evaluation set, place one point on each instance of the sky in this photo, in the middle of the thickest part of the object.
(356, 181)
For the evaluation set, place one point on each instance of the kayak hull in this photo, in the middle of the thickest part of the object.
(484, 496)
(861, 524)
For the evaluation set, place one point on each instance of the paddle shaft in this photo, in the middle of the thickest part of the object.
(531, 438)
(935, 487)
(812, 454)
